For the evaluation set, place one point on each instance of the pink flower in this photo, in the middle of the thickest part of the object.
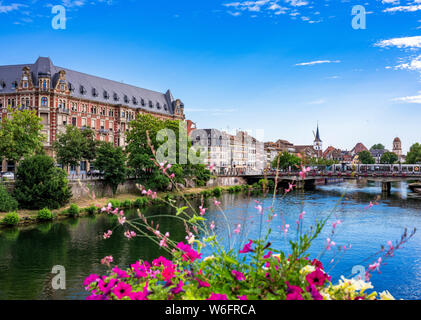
(107, 260)
(108, 234)
(317, 277)
(202, 284)
(315, 294)
(259, 209)
(178, 289)
(238, 275)
(268, 255)
(122, 290)
(330, 243)
(122, 220)
(211, 166)
(217, 296)
(290, 188)
(286, 228)
(375, 265)
(302, 215)
(202, 210)
(129, 234)
(168, 273)
(142, 295)
(120, 273)
(172, 176)
(237, 230)
(188, 253)
(243, 297)
(215, 202)
(212, 225)
(335, 224)
(303, 172)
(247, 247)
(293, 292)
(90, 279)
(161, 261)
(106, 287)
(163, 242)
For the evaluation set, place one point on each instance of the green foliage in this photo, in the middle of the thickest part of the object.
(206, 193)
(217, 191)
(11, 219)
(319, 162)
(266, 184)
(115, 203)
(7, 202)
(140, 203)
(126, 204)
(286, 160)
(112, 161)
(75, 145)
(20, 135)
(378, 146)
(92, 210)
(73, 211)
(388, 158)
(39, 184)
(365, 157)
(414, 154)
(140, 153)
(45, 215)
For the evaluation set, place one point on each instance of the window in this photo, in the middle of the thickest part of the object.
(126, 99)
(150, 104)
(82, 90)
(83, 122)
(94, 92)
(134, 100)
(74, 121)
(115, 96)
(158, 106)
(122, 114)
(142, 101)
(44, 102)
(106, 95)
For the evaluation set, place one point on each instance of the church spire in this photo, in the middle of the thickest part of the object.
(318, 134)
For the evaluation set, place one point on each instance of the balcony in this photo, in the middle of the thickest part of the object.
(62, 110)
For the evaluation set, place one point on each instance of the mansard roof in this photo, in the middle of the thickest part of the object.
(83, 85)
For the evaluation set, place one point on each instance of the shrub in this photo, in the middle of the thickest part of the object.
(45, 215)
(140, 203)
(40, 184)
(91, 210)
(126, 204)
(11, 219)
(206, 193)
(115, 203)
(217, 191)
(73, 211)
(7, 202)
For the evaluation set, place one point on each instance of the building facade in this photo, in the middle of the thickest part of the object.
(64, 97)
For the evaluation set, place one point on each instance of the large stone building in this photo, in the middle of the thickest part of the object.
(239, 153)
(397, 149)
(62, 96)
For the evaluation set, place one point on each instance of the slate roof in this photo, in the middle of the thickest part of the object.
(161, 102)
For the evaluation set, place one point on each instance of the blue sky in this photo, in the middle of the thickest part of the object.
(277, 65)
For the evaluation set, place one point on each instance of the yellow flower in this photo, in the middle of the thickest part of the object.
(385, 295)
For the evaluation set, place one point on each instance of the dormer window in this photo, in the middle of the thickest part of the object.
(14, 84)
(126, 99)
(142, 101)
(150, 104)
(134, 100)
(165, 107)
(158, 106)
(2, 84)
(82, 90)
(106, 95)
(115, 97)
(94, 92)
(71, 88)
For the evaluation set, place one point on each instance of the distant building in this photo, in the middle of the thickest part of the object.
(331, 153)
(318, 143)
(397, 148)
(378, 153)
(272, 149)
(307, 151)
(359, 147)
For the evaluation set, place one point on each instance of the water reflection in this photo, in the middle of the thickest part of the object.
(28, 254)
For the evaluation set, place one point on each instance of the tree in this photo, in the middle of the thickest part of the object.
(388, 158)
(112, 162)
(140, 154)
(20, 135)
(378, 146)
(286, 160)
(75, 145)
(414, 154)
(40, 184)
(365, 157)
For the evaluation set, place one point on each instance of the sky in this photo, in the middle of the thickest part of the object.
(281, 66)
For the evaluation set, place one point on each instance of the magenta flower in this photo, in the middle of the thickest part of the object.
(215, 202)
(247, 247)
(202, 210)
(268, 255)
(168, 273)
(122, 290)
(237, 229)
(129, 234)
(120, 273)
(217, 296)
(212, 225)
(141, 295)
(161, 261)
(317, 277)
(106, 287)
(188, 253)
(90, 279)
(294, 296)
(141, 270)
(243, 297)
(108, 234)
(202, 284)
(97, 297)
(314, 292)
(238, 275)
(178, 289)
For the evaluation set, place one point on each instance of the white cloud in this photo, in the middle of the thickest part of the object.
(409, 99)
(10, 7)
(312, 63)
(405, 42)
(412, 8)
(414, 64)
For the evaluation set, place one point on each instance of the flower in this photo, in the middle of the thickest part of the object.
(90, 279)
(202, 283)
(141, 295)
(317, 277)
(330, 243)
(129, 234)
(178, 289)
(217, 296)
(106, 287)
(259, 209)
(189, 254)
(268, 255)
(216, 202)
(237, 230)
(243, 297)
(120, 273)
(108, 234)
(303, 172)
(161, 261)
(238, 275)
(107, 260)
(122, 220)
(122, 290)
(385, 295)
(212, 225)
(247, 247)
(314, 292)
(168, 273)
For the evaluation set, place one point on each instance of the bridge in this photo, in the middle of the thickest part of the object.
(315, 177)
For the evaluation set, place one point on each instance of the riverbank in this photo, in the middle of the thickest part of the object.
(123, 201)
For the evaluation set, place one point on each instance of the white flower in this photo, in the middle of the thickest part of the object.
(385, 295)
(307, 269)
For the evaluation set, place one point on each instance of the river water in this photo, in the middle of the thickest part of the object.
(27, 255)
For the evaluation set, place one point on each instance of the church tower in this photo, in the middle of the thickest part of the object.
(318, 143)
(397, 148)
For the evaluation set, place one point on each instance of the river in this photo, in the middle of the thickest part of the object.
(28, 254)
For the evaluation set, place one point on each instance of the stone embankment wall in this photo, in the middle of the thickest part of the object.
(226, 181)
